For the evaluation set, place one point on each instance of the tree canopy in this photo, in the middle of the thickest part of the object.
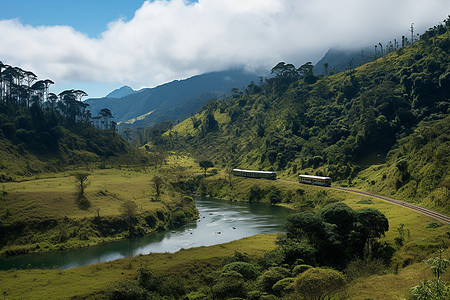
(333, 237)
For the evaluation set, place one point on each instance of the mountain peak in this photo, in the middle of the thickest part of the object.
(121, 92)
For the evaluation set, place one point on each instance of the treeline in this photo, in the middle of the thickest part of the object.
(20, 88)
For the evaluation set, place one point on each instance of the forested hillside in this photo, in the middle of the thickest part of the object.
(392, 111)
(41, 131)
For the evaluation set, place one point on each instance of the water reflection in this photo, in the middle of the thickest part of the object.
(219, 222)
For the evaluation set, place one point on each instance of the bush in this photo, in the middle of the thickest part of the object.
(317, 283)
(272, 258)
(179, 218)
(255, 194)
(160, 285)
(274, 195)
(364, 267)
(272, 276)
(248, 271)
(283, 286)
(229, 285)
(128, 290)
(434, 225)
(300, 269)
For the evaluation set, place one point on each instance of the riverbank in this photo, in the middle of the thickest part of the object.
(195, 268)
(45, 214)
(94, 282)
(219, 222)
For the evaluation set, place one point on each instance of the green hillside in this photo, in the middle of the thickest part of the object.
(45, 132)
(340, 125)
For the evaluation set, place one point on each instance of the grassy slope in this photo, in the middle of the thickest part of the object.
(53, 198)
(425, 178)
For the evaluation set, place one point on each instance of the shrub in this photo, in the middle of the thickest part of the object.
(255, 194)
(248, 271)
(274, 195)
(179, 218)
(128, 290)
(272, 276)
(317, 283)
(300, 269)
(229, 285)
(434, 225)
(283, 286)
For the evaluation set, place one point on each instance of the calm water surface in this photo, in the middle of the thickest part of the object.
(220, 222)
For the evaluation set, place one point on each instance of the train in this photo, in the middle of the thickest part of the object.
(308, 179)
(316, 180)
(255, 174)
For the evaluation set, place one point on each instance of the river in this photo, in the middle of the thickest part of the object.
(219, 222)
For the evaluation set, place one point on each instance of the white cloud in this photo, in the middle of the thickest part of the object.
(168, 40)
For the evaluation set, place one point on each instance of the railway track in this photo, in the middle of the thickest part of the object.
(425, 211)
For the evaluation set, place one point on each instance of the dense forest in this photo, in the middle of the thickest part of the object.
(42, 131)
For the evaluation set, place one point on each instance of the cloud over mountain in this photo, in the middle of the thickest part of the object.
(176, 39)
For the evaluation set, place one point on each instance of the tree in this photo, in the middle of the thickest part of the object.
(106, 116)
(374, 225)
(157, 182)
(205, 164)
(81, 181)
(127, 133)
(306, 70)
(129, 211)
(325, 66)
(317, 283)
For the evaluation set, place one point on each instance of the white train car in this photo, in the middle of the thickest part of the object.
(255, 174)
(317, 180)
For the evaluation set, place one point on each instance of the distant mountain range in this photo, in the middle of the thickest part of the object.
(171, 101)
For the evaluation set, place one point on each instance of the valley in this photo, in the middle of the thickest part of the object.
(69, 180)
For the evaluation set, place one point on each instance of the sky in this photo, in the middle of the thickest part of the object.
(101, 45)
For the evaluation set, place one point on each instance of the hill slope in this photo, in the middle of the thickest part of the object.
(171, 101)
(335, 125)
